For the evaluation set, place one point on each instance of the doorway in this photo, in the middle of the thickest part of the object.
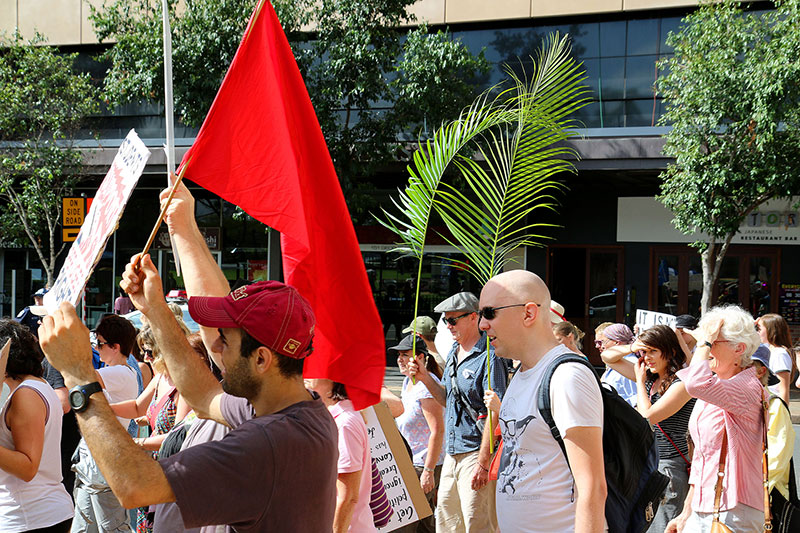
(588, 281)
(748, 277)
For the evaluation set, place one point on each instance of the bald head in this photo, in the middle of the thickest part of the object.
(522, 286)
(518, 325)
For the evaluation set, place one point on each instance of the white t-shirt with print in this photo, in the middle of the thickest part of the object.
(534, 484)
(779, 361)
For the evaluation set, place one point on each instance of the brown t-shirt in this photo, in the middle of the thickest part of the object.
(271, 473)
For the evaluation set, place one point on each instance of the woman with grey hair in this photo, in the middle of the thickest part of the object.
(726, 425)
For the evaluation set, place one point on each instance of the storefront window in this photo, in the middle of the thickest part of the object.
(393, 282)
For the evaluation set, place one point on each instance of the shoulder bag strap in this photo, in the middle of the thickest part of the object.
(688, 463)
(765, 463)
(718, 488)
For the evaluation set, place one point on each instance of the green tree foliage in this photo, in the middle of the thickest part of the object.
(43, 102)
(370, 79)
(732, 92)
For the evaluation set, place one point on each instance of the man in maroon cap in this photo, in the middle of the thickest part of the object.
(276, 470)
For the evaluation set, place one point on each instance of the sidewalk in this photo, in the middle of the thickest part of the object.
(794, 404)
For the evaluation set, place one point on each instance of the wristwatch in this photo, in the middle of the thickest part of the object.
(709, 344)
(79, 395)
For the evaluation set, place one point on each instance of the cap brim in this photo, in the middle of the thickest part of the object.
(209, 311)
(409, 329)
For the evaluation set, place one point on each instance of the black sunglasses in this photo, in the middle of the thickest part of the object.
(453, 320)
(490, 312)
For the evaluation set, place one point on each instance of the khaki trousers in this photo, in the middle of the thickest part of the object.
(461, 509)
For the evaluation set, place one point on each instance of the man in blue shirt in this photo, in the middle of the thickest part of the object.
(465, 497)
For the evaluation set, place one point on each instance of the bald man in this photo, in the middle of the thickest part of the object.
(536, 492)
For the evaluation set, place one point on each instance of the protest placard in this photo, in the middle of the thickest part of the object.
(646, 319)
(399, 477)
(100, 223)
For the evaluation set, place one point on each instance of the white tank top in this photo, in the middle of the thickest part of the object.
(42, 501)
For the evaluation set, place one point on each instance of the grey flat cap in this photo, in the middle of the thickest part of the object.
(463, 301)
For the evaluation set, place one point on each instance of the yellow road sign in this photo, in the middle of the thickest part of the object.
(73, 211)
(70, 234)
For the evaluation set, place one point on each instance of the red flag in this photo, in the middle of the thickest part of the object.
(261, 148)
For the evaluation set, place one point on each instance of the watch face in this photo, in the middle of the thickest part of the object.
(77, 400)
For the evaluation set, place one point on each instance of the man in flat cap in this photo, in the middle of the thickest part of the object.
(466, 497)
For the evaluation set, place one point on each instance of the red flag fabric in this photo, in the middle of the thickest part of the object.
(261, 148)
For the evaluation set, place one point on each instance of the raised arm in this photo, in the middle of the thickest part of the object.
(193, 379)
(201, 273)
(417, 370)
(614, 357)
(670, 403)
(138, 406)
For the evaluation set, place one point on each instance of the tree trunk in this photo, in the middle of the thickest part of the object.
(707, 257)
(712, 263)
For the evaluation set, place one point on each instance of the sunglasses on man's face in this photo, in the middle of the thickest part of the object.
(489, 313)
(453, 320)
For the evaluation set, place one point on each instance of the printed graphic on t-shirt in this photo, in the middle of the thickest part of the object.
(517, 464)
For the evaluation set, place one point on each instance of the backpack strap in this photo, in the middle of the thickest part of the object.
(543, 397)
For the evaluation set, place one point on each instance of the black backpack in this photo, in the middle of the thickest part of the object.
(635, 486)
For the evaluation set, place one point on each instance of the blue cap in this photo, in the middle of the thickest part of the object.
(762, 356)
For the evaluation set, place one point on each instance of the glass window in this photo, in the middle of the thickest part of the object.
(638, 113)
(603, 287)
(613, 114)
(695, 284)
(760, 283)
(667, 288)
(588, 116)
(728, 282)
(591, 68)
(640, 74)
(643, 37)
(612, 39)
(611, 79)
(585, 39)
(668, 24)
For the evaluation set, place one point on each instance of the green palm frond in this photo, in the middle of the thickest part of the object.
(519, 160)
(430, 161)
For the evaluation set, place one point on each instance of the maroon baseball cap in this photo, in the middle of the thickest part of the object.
(271, 312)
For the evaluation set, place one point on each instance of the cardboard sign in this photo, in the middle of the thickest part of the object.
(647, 319)
(399, 477)
(100, 222)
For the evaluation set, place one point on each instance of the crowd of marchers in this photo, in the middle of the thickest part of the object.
(508, 431)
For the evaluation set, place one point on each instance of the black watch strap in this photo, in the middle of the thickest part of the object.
(79, 395)
(709, 344)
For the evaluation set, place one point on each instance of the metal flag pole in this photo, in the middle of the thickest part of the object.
(169, 113)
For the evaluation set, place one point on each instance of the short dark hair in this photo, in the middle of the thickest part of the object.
(338, 392)
(25, 357)
(117, 330)
(288, 366)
